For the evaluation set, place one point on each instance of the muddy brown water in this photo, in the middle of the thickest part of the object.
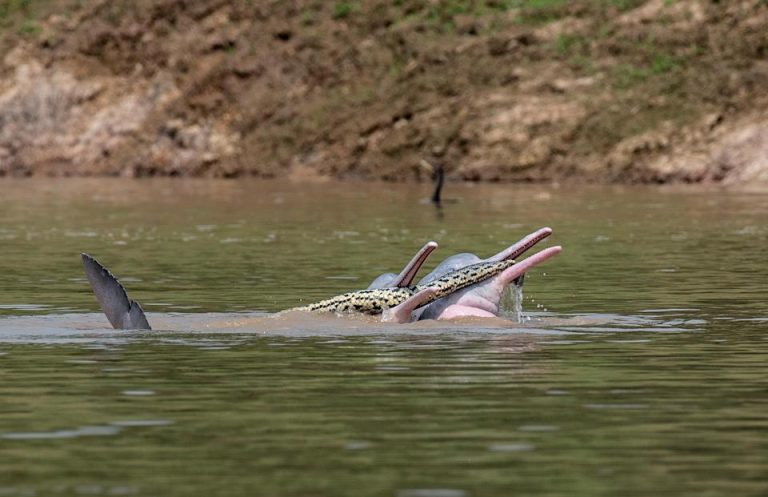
(640, 370)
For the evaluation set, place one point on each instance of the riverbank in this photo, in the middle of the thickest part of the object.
(625, 91)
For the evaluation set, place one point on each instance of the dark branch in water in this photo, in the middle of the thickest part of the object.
(439, 176)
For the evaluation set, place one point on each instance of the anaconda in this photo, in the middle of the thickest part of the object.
(375, 301)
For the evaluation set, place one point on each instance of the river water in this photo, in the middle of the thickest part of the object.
(641, 367)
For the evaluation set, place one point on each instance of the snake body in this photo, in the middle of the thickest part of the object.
(377, 300)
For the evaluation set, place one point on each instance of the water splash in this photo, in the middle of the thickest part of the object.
(517, 300)
(511, 304)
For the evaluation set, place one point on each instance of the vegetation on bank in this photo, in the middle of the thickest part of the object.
(495, 89)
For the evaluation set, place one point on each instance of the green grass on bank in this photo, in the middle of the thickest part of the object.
(22, 17)
(443, 13)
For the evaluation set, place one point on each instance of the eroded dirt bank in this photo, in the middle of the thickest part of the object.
(515, 90)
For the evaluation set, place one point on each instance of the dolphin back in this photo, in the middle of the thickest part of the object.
(122, 313)
(382, 281)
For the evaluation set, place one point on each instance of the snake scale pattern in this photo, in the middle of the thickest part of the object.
(377, 300)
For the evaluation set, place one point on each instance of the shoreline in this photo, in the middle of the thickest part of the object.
(632, 92)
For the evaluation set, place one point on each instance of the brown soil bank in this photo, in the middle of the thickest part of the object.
(495, 90)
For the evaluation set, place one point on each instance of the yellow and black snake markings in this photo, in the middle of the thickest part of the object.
(376, 301)
(367, 301)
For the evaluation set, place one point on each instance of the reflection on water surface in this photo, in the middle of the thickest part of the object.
(640, 370)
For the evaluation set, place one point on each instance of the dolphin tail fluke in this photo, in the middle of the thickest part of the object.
(136, 317)
(122, 313)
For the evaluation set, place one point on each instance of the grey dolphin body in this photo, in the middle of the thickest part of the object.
(485, 279)
(122, 313)
(481, 299)
(459, 261)
(452, 263)
(376, 301)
